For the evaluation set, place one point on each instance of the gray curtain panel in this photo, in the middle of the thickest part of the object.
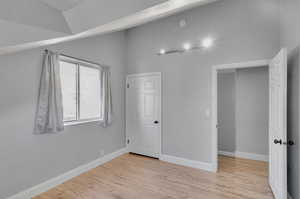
(49, 115)
(106, 97)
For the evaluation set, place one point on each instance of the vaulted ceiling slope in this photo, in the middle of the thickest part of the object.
(33, 13)
(24, 21)
(62, 5)
(33, 23)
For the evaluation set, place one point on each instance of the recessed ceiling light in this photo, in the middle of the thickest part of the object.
(207, 42)
(187, 46)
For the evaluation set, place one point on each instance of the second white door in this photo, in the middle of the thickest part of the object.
(143, 114)
(277, 125)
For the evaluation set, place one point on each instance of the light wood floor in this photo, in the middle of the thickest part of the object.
(137, 177)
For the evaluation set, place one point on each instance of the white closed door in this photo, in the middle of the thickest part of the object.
(277, 125)
(143, 114)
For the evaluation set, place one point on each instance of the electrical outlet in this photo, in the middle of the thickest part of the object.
(102, 153)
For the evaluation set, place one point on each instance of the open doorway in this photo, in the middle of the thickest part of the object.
(277, 118)
(243, 113)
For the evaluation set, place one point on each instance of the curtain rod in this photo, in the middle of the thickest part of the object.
(84, 60)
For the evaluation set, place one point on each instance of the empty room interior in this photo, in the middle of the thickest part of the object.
(149, 99)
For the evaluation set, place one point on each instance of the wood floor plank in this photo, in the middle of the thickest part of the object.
(137, 177)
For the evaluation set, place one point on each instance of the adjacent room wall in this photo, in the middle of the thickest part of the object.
(226, 111)
(290, 38)
(252, 110)
(28, 159)
(244, 30)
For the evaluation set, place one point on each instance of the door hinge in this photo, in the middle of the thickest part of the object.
(128, 141)
(128, 86)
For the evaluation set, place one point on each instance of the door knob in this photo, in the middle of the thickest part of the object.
(291, 143)
(156, 122)
(277, 141)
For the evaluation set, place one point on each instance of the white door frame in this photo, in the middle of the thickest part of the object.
(161, 120)
(214, 108)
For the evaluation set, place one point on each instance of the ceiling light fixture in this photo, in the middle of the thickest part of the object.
(187, 46)
(162, 51)
(207, 42)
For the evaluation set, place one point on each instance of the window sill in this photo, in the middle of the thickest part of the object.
(75, 123)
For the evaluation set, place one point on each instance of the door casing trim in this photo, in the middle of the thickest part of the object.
(214, 97)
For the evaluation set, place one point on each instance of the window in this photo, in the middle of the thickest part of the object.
(81, 87)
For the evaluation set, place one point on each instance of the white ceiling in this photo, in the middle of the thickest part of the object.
(62, 5)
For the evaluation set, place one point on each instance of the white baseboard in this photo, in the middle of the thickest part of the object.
(226, 153)
(43, 187)
(251, 156)
(188, 163)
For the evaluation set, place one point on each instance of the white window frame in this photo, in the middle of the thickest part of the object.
(78, 63)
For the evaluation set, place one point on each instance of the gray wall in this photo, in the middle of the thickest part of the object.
(290, 38)
(245, 30)
(226, 111)
(252, 110)
(10, 34)
(27, 159)
(243, 111)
